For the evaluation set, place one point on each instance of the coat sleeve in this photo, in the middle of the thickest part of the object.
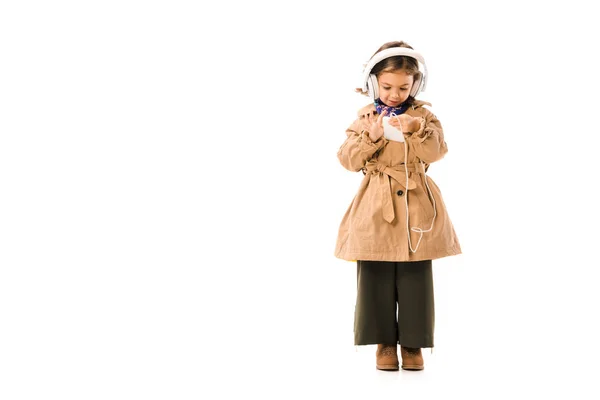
(358, 147)
(428, 142)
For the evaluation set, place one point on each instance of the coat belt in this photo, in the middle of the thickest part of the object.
(384, 173)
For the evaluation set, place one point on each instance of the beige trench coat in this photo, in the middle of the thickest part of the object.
(374, 226)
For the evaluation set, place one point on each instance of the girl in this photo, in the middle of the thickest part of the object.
(397, 223)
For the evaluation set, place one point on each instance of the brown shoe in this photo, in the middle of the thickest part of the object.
(412, 359)
(387, 357)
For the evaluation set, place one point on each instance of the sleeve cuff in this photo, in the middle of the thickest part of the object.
(367, 144)
(422, 133)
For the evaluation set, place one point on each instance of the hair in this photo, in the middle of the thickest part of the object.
(395, 63)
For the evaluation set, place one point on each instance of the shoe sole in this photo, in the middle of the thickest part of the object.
(413, 367)
(388, 367)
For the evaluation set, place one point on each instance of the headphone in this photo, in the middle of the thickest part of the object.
(370, 83)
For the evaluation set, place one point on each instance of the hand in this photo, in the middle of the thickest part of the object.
(405, 122)
(375, 126)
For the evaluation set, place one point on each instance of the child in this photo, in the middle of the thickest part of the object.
(397, 223)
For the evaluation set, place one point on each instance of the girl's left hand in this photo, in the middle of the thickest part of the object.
(405, 122)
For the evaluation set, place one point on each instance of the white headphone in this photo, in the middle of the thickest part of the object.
(370, 84)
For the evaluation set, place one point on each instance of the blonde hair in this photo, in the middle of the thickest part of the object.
(393, 64)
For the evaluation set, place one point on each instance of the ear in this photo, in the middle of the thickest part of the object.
(373, 87)
(416, 84)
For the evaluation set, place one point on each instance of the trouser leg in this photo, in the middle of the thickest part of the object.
(375, 311)
(416, 312)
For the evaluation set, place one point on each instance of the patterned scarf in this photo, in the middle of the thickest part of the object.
(391, 111)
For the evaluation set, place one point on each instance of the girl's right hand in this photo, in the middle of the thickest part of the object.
(375, 126)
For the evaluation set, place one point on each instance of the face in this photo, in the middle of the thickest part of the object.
(394, 87)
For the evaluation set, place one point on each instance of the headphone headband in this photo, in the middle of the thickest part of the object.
(394, 51)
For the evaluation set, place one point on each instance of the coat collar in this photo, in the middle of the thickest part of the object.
(369, 108)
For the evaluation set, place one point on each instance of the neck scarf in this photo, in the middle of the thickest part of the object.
(391, 111)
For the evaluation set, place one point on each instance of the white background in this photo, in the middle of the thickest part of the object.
(170, 197)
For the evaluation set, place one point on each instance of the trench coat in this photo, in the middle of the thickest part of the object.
(374, 226)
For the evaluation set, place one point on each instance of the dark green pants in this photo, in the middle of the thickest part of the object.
(394, 303)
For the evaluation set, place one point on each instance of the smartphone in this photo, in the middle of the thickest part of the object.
(391, 132)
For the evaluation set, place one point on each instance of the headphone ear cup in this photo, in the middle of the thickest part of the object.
(416, 87)
(373, 87)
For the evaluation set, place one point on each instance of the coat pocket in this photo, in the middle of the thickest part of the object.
(425, 211)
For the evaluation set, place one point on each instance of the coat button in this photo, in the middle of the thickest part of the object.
(399, 192)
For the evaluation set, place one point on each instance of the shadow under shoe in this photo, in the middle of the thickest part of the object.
(412, 359)
(387, 357)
